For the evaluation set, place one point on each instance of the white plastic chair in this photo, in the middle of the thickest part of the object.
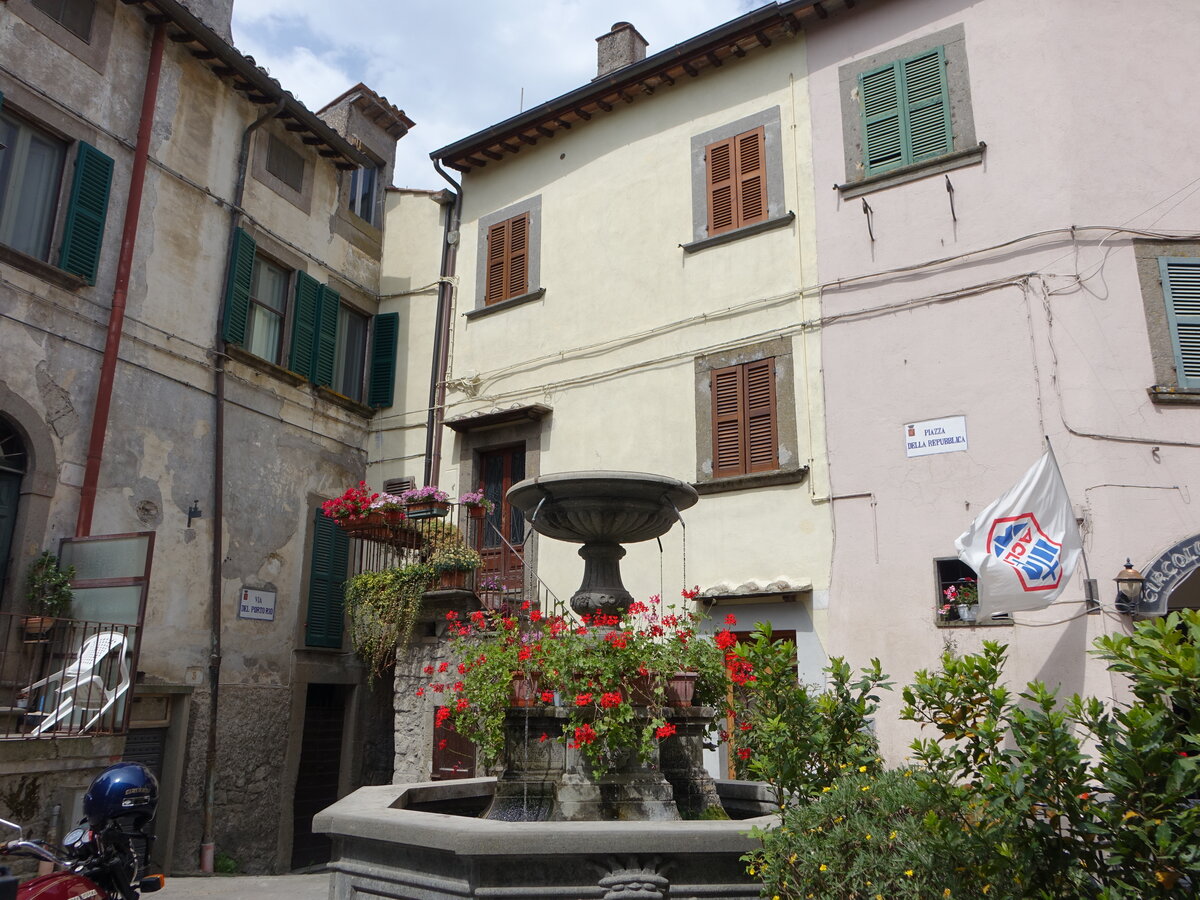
(81, 688)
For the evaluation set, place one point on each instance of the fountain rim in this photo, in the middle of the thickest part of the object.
(566, 485)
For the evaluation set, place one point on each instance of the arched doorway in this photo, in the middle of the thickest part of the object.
(1172, 580)
(13, 460)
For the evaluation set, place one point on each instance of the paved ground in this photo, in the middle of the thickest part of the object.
(245, 887)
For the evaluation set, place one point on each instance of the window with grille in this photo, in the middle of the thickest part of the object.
(285, 164)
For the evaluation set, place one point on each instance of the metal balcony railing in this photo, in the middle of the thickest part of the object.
(64, 677)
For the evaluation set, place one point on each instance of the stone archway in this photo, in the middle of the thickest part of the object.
(1172, 579)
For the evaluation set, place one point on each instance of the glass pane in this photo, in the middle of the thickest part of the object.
(269, 285)
(116, 558)
(350, 360)
(263, 330)
(8, 137)
(77, 17)
(39, 188)
(118, 605)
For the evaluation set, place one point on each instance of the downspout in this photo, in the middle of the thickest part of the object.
(116, 316)
(207, 842)
(441, 336)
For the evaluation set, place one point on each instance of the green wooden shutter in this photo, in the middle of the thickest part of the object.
(326, 584)
(385, 339)
(237, 289)
(302, 359)
(1181, 289)
(325, 351)
(87, 212)
(926, 106)
(906, 112)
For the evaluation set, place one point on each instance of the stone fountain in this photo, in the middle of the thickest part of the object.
(545, 827)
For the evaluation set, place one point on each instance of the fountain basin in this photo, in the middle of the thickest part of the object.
(392, 841)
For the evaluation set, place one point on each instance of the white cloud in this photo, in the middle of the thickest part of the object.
(454, 69)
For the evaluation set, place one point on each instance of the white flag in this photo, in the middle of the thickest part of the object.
(1025, 545)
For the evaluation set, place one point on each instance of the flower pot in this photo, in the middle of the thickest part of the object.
(476, 512)
(454, 579)
(38, 628)
(393, 516)
(681, 687)
(428, 509)
(641, 690)
(365, 527)
(966, 613)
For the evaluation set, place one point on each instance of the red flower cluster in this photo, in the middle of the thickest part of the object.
(744, 754)
(583, 700)
(618, 639)
(547, 697)
(610, 699)
(584, 734)
(725, 639)
(741, 671)
(353, 503)
(692, 594)
(664, 731)
(442, 714)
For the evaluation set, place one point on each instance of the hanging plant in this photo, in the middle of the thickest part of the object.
(47, 587)
(383, 608)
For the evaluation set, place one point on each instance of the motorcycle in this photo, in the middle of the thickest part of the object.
(105, 857)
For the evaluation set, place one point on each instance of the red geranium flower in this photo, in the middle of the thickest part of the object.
(744, 753)
(545, 737)
(583, 699)
(664, 731)
(547, 696)
(463, 704)
(443, 666)
(610, 699)
(730, 619)
(442, 714)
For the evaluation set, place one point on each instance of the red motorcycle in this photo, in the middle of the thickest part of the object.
(105, 857)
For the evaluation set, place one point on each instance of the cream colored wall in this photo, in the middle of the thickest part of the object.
(611, 346)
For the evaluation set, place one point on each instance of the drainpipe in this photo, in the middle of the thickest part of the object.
(441, 336)
(116, 316)
(207, 843)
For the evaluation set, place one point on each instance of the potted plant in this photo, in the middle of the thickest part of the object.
(477, 504)
(426, 501)
(47, 595)
(452, 560)
(352, 510)
(963, 595)
(383, 607)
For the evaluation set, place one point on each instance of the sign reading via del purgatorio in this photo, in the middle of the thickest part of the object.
(257, 605)
(947, 435)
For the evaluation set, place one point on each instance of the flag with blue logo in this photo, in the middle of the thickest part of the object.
(1025, 545)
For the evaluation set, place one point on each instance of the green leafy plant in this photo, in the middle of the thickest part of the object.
(454, 557)
(48, 587)
(797, 737)
(383, 608)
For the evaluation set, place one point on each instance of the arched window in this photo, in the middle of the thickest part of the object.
(12, 467)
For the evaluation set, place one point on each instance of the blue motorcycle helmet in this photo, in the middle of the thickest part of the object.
(125, 793)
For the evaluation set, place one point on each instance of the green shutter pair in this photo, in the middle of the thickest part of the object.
(87, 211)
(906, 112)
(314, 325)
(324, 620)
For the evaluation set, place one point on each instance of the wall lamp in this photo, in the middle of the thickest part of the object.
(194, 512)
(1129, 588)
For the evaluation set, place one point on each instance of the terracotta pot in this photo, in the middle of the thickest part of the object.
(476, 512)
(641, 690)
(368, 526)
(38, 628)
(681, 687)
(393, 516)
(454, 579)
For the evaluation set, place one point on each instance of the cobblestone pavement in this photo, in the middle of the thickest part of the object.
(245, 887)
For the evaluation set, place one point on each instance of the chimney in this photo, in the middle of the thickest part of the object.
(216, 14)
(621, 47)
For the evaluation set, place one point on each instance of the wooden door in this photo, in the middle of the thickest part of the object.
(501, 538)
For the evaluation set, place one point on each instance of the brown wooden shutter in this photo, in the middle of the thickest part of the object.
(497, 244)
(752, 178)
(721, 206)
(761, 443)
(745, 434)
(728, 398)
(518, 256)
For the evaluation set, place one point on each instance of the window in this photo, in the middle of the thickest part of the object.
(350, 358)
(327, 341)
(325, 617)
(73, 15)
(285, 163)
(746, 418)
(956, 583)
(507, 270)
(507, 259)
(906, 113)
(363, 187)
(268, 304)
(743, 413)
(1180, 278)
(737, 189)
(737, 180)
(32, 168)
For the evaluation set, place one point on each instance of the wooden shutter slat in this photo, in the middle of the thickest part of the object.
(326, 584)
(238, 285)
(729, 416)
(325, 339)
(745, 423)
(87, 213)
(1181, 290)
(302, 359)
(722, 214)
(496, 253)
(761, 443)
(926, 106)
(883, 131)
(752, 177)
(385, 339)
(517, 257)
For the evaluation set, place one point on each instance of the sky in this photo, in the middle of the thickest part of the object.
(453, 68)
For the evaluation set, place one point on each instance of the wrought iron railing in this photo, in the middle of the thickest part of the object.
(64, 677)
